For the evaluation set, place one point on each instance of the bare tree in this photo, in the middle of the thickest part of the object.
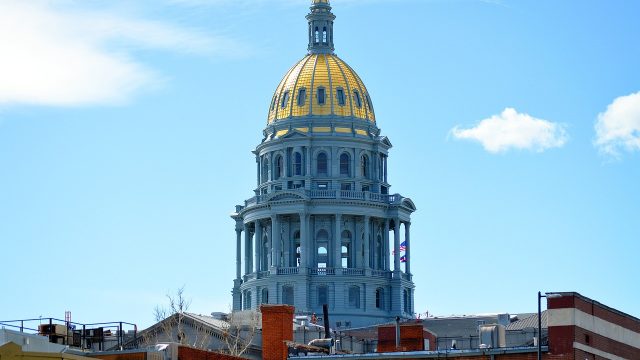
(171, 319)
(238, 333)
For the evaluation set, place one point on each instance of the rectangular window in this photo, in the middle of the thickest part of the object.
(321, 96)
(356, 96)
(302, 97)
(365, 187)
(285, 99)
(340, 96)
(323, 186)
(345, 186)
(322, 295)
(354, 297)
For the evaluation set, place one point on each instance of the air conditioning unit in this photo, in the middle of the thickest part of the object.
(52, 329)
(492, 336)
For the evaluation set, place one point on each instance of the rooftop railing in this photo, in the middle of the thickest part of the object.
(327, 194)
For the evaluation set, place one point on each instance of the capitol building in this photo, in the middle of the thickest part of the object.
(323, 226)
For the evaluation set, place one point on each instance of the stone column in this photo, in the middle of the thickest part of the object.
(355, 253)
(366, 264)
(287, 244)
(247, 249)
(257, 245)
(238, 253)
(304, 242)
(269, 250)
(337, 247)
(407, 253)
(258, 172)
(308, 161)
(396, 245)
(275, 241)
(385, 247)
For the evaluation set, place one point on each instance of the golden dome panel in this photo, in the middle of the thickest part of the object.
(322, 85)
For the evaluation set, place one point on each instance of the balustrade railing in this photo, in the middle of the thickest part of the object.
(288, 270)
(381, 273)
(330, 194)
(322, 194)
(323, 271)
(353, 272)
(327, 271)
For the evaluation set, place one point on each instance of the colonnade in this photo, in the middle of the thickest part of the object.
(268, 245)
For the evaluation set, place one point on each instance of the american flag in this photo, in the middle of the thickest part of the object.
(403, 258)
(403, 247)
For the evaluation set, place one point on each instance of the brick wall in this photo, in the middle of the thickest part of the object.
(587, 329)
(142, 355)
(411, 338)
(277, 326)
(526, 356)
(188, 353)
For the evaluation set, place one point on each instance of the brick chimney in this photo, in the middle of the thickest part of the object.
(277, 326)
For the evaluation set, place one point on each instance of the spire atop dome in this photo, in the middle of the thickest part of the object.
(320, 27)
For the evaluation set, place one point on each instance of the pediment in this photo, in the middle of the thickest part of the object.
(294, 134)
(385, 141)
(285, 195)
(409, 203)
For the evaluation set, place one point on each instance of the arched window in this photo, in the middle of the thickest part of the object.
(356, 97)
(324, 34)
(354, 297)
(317, 35)
(247, 300)
(278, 169)
(322, 242)
(344, 164)
(364, 166)
(380, 298)
(322, 164)
(296, 242)
(265, 296)
(287, 294)
(322, 295)
(346, 249)
(297, 164)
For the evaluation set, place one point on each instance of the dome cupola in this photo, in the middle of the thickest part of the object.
(321, 84)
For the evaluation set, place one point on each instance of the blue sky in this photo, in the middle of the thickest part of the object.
(126, 130)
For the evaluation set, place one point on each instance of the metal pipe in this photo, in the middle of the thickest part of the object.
(325, 314)
(397, 332)
(539, 326)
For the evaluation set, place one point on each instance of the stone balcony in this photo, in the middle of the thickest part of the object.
(324, 271)
(305, 194)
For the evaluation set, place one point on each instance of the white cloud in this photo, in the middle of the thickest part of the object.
(618, 128)
(513, 130)
(65, 58)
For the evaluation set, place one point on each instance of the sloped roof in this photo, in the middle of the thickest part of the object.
(528, 322)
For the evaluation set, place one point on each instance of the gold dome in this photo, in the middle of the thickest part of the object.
(321, 84)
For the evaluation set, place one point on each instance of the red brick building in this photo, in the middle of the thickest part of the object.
(579, 328)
